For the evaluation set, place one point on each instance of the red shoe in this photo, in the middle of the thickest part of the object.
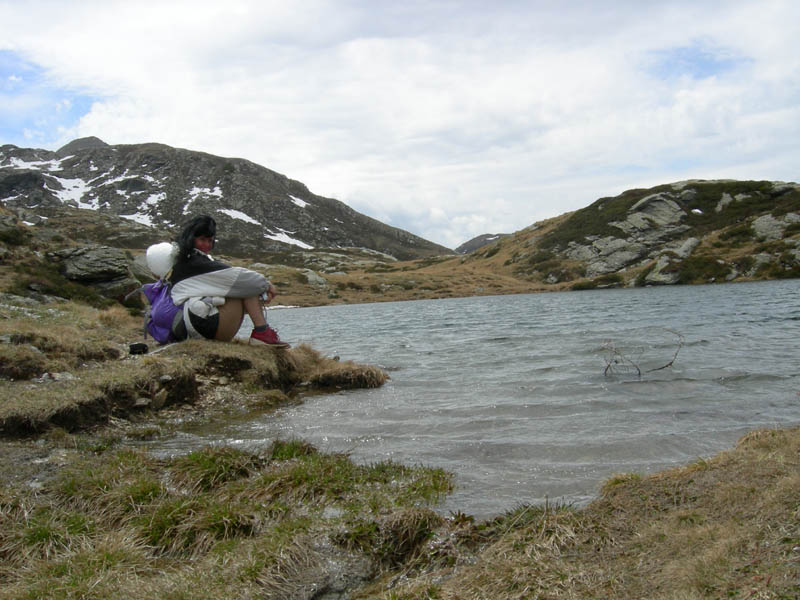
(269, 337)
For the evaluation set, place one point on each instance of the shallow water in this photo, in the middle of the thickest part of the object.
(509, 392)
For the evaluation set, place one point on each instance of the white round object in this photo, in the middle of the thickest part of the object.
(161, 257)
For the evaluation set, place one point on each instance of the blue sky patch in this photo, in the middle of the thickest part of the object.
(34, 111)
(697, 61)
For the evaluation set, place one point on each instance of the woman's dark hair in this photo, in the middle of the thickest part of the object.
(202, 226)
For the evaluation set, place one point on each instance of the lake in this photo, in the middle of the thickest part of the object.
(513, 395)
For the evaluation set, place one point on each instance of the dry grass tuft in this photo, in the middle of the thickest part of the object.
(349, 376)
(212, 466)
(117, 316)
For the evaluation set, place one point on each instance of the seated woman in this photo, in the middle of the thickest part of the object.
(216, 296)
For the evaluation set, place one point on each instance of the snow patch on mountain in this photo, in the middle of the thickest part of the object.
(283, 236)
(298, 201)
(236, 214)
(73, 192)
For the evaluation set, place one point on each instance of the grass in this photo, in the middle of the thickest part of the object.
(217, 523)
(224, 522)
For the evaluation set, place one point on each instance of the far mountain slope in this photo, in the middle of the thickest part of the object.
(685, 232)
(259, 210)
(479, 242)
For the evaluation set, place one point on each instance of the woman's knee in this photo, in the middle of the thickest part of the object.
(231, 315)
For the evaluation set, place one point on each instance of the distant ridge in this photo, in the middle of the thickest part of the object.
(479, 242)
(159, 186)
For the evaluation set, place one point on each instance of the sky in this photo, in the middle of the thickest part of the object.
(446, 118)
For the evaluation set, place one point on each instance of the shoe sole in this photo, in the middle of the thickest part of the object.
(281, 345)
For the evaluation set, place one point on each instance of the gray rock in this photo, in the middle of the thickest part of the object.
(723, 202)
(659, 209)
(771, 228)
(88, 264)
(607, 254)
(780, 187)
(658, 277)
(759, 260)
(140, 270)
(686, 247)
(615, 261)
(104, 268)
(315, 279)
(15, 300)
(581, 252)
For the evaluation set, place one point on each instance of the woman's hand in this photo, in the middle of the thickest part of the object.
(271, 293)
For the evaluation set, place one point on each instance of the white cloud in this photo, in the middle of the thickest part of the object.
(447, 119)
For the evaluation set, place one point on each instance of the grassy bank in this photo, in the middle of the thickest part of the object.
(68, 365)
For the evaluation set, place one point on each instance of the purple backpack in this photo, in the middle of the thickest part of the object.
(159, 319)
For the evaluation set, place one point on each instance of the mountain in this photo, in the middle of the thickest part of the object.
(161, 187)
(479, 242)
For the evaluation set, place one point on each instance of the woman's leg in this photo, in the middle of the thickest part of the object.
(255, 310)
(231, 315)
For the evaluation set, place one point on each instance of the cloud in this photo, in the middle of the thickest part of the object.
(442, 118)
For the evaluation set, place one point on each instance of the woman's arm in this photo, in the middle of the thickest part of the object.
(232, 282)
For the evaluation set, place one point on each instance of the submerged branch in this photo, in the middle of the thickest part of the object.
(674, 356)
(617, 360)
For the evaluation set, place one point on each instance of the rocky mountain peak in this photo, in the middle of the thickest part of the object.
(81, 144)
(257, 209)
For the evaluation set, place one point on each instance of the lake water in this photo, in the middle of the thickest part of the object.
(509, 392)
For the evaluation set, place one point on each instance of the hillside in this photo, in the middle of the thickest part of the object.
(159, 186)
(686, 232)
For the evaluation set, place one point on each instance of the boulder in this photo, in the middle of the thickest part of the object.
(723, 203)
(653, 219)
(104, 268)
(685, 247)
(140, 270)
(759, 260)
(771, 228)
(659, 275)
(93, 263)
(660, 209)
(606, 255)
(314, 278)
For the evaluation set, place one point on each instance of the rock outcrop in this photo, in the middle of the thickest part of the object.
(106, 269)
(688, 231)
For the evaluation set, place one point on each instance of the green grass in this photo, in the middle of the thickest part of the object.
(113, 518)
(701, 269)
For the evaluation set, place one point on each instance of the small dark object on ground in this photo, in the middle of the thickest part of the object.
(139, 348)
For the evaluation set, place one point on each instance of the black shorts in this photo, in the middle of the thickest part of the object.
(207, 327)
